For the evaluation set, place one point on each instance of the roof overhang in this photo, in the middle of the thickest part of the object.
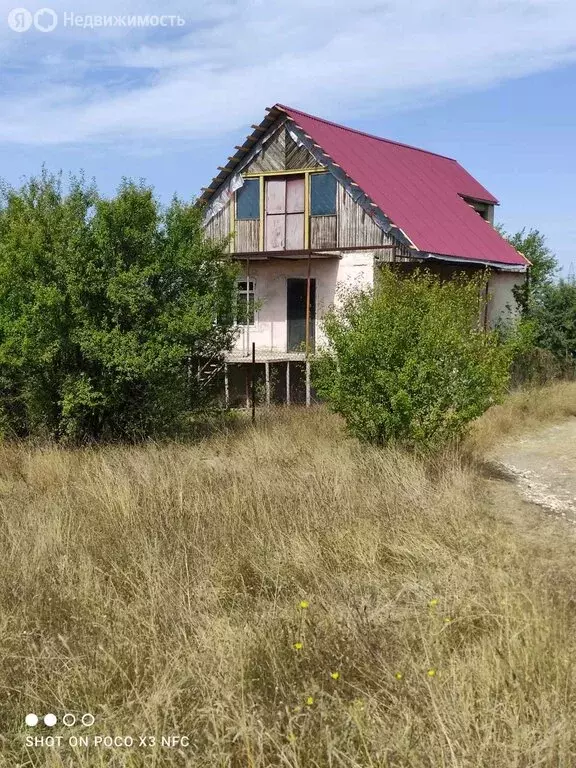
(242, 155)
(303, 253)
(476, 262)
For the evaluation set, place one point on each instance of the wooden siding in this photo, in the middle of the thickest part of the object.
(355, 226)
(281, 153)
(219, 226)
(298, 157)
(272, 156)
(323, 232)
(246, 240)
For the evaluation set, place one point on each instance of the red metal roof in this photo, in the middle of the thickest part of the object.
(419, 191)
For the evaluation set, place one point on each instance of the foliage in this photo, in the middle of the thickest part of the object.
(410, 362)
(103, 303)
(555, 315)
(549, 307)
(544, 266)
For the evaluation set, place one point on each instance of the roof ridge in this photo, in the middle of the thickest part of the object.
(285, 107)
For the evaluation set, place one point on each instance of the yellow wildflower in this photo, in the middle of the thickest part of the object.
(304, 604)
(433, 603)
(431, 673)
(398, 675)
(310, 701)
(297, 646)
(335, 675)
(447, 620)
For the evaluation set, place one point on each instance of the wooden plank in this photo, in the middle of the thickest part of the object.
(272, 156)
(294, 231)
(275, 196)
(323, 232)
(218, 227)
(275, 234)
(284, 172)
(295, 195)
(247, 240)
(307, 210)
(262, 215)
(355, 227)
(298, 156)
(267, 374)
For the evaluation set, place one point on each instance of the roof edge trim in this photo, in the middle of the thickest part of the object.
(482, 262)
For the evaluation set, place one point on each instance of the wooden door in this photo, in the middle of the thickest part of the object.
(296, 313)
(284, 214)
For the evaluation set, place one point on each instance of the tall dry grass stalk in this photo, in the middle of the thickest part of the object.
(161, 589)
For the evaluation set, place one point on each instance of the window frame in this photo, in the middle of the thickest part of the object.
(255, 184)
(246, 297)
(261, 177)
(287, 214)
(334, 181)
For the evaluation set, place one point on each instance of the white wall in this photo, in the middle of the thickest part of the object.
(354, 269)
(502, 306)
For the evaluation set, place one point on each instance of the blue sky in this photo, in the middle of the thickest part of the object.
(489, 82)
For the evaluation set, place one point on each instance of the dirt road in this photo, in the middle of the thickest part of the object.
(544, 466)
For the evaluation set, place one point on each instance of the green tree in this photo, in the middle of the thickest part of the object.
(543, 269)
(105, 307)
(549, 309)
(410, 362)
(555, 315)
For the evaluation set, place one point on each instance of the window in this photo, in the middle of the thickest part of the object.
(284, 225)
(245, 304)
(248, 200)
(322, 194)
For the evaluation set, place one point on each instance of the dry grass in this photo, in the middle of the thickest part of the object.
(523, 411)
(159, 588)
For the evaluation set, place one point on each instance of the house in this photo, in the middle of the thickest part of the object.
(310, 205)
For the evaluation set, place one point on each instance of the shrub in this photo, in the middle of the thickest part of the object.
(105, 305)
(410, 361)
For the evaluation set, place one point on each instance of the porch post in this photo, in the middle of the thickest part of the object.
(307, 384)
(287, 382)
(247, 306)
(226, 387)
(307, 332)
(267, 372)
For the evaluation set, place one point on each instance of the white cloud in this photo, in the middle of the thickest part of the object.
(232, 59)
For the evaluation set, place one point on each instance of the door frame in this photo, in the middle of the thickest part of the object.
(312, 327)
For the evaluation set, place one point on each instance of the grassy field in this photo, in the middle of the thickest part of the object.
(284, 597)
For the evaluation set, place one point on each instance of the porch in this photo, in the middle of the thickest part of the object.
(266, 377)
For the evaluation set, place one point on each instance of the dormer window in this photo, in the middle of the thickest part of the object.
(485, 210)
